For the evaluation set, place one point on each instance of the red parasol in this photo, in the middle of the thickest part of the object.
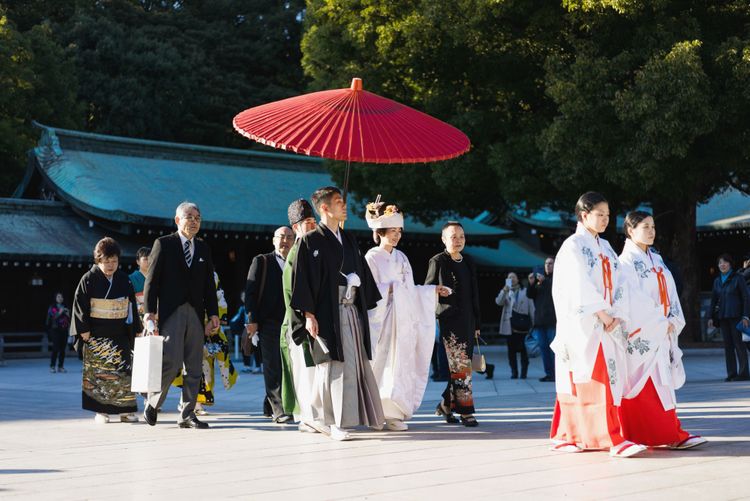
(352, 125)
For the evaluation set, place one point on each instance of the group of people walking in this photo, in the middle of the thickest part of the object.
(347, 338)
(617, 359)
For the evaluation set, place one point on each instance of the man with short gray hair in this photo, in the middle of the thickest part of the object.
(178, 293)
(264, 302)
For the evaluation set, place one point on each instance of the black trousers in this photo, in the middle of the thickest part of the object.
(271, 352)
(735, 351)
(59, 340)
(516, 345)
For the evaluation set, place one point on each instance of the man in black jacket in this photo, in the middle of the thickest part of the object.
(545, 321)
(264, 303)
(178, 293)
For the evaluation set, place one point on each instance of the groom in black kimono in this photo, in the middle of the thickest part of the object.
(332, 291)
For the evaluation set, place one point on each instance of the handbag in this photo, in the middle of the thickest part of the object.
(520, 322)
(532, 345)
(744, 330)
(147, 363)
(478, 363)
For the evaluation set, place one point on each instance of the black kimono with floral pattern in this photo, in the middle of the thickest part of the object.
(458, 316)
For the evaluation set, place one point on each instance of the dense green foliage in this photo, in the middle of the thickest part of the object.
(176, 71)
(645, 101)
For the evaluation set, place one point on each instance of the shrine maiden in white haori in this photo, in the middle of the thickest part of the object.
(652, 352)
(402, 327)
(588, 280)
(654, 359)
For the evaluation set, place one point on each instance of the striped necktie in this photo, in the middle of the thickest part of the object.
(188, 257)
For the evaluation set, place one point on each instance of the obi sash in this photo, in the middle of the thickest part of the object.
(112, 309)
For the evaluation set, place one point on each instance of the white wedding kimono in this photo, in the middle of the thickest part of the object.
(654, 304)
(402, 332)
(580, 289)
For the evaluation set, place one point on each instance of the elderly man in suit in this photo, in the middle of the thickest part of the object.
(264, 302)
(179, 293)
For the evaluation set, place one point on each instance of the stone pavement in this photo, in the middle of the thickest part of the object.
(51, 449)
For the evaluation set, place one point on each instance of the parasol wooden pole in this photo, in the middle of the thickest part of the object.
(346, 187)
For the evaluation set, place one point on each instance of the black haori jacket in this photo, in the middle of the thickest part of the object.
(315, 288)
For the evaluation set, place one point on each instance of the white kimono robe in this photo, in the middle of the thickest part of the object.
(402, 332)
(654, 304)
(579, 291)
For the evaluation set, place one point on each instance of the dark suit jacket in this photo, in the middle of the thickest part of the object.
(268, 309)
(170, 283)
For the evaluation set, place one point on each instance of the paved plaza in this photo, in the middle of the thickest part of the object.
(51, 449)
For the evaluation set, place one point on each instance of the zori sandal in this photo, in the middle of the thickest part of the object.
(688, 443)
(626, 449)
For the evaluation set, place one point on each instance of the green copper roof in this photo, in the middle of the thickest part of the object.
(38, 230)
(512, 254)
(729, 209)
(138, 181)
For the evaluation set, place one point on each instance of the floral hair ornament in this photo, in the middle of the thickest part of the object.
(379, 215)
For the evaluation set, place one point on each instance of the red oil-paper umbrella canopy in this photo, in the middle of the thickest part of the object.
(352, 125)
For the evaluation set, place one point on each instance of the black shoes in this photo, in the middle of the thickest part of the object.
(193, 422)
(149, 415)
(738, 378)
(547, 379)
(469, 421)
(489, 371)
(442, 410)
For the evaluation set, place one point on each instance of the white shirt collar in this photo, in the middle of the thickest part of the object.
(183, 240)
(279, 259)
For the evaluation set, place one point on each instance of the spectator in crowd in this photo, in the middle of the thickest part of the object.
(138, 277)
(58, 322)
(730, 305)
(746, 269)
(540, 291)
(516, 322)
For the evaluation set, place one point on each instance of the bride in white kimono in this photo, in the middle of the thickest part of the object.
(402, 326)
(654, 359)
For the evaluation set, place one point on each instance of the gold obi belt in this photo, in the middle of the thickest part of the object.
(112, 309)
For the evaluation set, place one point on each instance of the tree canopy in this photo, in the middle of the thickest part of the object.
(175, 71)
(644, 101)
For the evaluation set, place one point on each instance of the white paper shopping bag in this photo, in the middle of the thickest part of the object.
(147, 359)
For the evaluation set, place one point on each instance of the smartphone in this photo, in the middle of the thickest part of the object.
(508, 282)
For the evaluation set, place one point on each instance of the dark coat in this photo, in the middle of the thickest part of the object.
(439, 273)
(541, 293)
(315, 288)
(170, 283)
(269, 308)
(730, 299)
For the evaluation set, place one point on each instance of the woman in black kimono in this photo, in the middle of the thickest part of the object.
(458, 316)
(105, 318)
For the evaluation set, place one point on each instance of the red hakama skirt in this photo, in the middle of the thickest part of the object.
(588, 417)
(644, 420)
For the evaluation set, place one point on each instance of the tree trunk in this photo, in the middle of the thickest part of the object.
(676, 240)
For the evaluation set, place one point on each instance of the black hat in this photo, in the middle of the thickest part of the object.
(299, 210)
